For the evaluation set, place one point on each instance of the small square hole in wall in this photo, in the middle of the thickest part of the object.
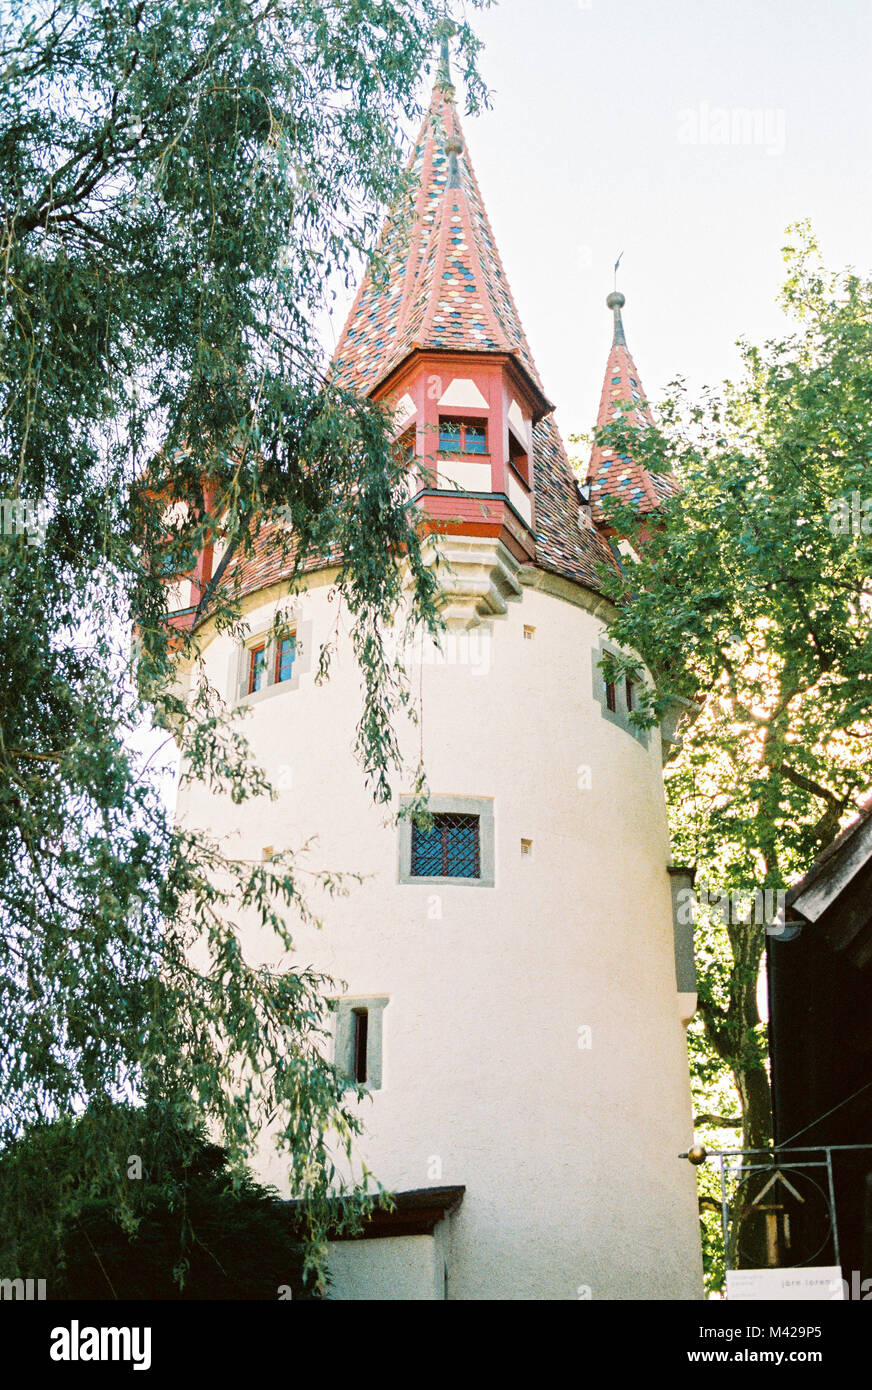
(529, 632)
(526, 848)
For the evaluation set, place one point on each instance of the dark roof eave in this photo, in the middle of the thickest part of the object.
(416, 1213)
(544, 406)
(835, 868)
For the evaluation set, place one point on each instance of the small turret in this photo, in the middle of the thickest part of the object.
(618, 474)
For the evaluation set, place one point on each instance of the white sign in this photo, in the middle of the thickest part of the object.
(823, 1283)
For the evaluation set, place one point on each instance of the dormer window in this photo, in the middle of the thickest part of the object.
(462, 436)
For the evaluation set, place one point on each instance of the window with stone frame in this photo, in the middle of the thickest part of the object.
(358, 1038)
(452, 843)
(271, 662)
(617, 698)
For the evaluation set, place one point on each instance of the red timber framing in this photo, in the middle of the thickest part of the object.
(194, 583)
(488, 494)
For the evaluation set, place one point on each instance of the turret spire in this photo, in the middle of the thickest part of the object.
(443, 286)
(439, 326)
(623, 399)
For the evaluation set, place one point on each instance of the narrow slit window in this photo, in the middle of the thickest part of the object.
(361, 1037)
(451, 848)
(256, 669)
(285, 653)
(611, 696)
(630, 696)
(358, 1039)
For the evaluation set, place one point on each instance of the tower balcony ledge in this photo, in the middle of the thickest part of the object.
(478, 576)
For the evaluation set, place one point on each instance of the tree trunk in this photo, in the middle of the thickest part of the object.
(734, 1036)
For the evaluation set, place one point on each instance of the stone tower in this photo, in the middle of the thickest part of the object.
(511, 1000)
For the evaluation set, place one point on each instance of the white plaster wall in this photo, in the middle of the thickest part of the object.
(464, 475)
(406, 1268)
(568, 1153)
(520, 499)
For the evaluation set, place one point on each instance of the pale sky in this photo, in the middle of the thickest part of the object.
(587, 151)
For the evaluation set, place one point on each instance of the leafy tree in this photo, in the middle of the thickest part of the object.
(751, 598)
(191, 1228)
(181, 184)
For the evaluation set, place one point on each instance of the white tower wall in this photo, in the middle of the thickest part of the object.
(532, 1046)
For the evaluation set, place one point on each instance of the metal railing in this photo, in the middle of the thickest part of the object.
(737, 1166)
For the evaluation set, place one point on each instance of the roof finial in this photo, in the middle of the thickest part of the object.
(616, 302)
(446, 31)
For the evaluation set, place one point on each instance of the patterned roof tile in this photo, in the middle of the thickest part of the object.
(443, 286)
(622, 387)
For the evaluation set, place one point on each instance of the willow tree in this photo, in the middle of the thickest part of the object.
(752, 598)
(183, 184)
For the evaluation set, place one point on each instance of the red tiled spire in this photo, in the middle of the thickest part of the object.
(443, 289)
(611, 473)
(443, 284)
